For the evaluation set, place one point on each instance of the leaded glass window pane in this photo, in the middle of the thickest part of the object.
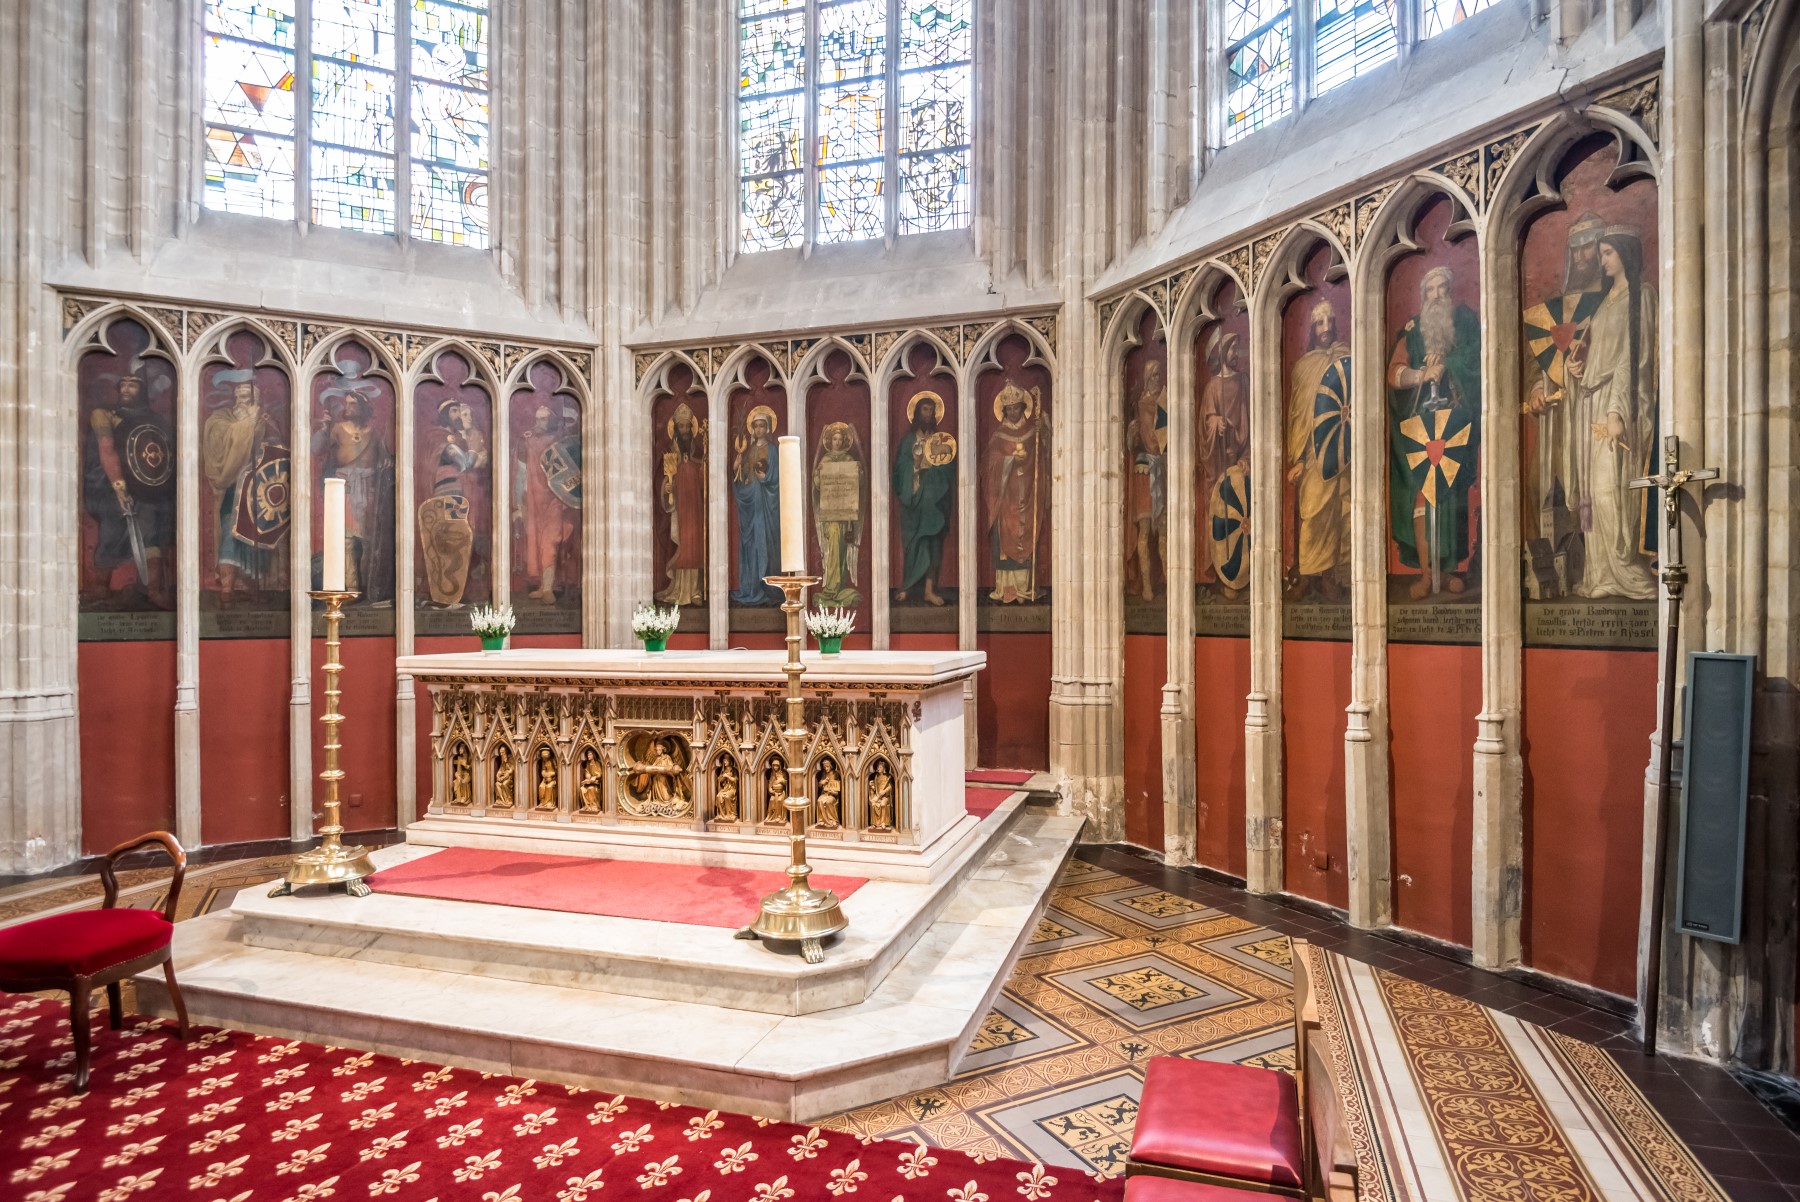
(450, 121)
(1440, 15)
(851, 160)
(1351, 37)
(772, 124)
(353, 138)
(935, 33)
(1259, 61)
(248, 87)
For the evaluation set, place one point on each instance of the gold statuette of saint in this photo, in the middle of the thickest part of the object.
(503, 780)
(831, 795)
(462, 782)
(590, 781)
(881, 798)
(546, 774)
(725, 792)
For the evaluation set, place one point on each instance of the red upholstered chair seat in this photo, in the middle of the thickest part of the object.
(1223, 1120)
(80, 944)
(1144, 1188)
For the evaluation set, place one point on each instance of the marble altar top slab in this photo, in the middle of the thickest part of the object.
(761, 667)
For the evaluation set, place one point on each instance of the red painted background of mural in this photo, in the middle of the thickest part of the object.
(1315, 843)
(1146, 670)
(1434, 692)
(127, 693)
(1221, 682)
(1013, 701)
(244, 783)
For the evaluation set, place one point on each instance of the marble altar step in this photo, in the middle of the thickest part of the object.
(657, 960)
(908, 1034)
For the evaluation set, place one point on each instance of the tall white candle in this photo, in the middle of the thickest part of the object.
(793, 518)
(332, 566)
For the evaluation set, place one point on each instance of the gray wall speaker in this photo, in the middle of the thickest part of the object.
(1715, 783)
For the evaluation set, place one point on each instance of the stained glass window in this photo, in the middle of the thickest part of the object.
(450, 121)
(844, 127)
(1439, 15)
(249, 107)
(1259, 62)
(351, 113)
(1349, 38)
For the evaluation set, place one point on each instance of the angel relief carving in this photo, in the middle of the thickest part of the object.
(655, 768)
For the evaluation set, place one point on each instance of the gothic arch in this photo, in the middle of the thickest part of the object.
(381, 361)
(424, 366)
(811, 367)
(520, 375)
(978, 356)
(892, 363)
(90, 334)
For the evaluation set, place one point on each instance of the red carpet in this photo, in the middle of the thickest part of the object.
(233, 1117)
(981, 801)
(997, 776)
(686, 893)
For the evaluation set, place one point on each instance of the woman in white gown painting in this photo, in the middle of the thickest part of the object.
(1615, 402)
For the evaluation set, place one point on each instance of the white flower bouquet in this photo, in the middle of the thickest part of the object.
(492, 622)
(654, 624)
(829, 626)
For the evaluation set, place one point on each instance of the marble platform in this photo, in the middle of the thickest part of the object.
(909, 1030)
(658, 960)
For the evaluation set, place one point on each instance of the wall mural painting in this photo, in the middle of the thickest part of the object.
(126, 393)
(353, 438)
(1433, 385)
(1587, 280)
(678, 432)
(837, 438)
(1315, 511)
(1146, 373)
(758, 413)
(453, 491)
(1012, 423)
(1222, 436)
(245, 491)
(923, 413)
(544, 476)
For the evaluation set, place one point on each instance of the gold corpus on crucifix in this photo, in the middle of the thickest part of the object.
(799, 913)
(1672, 481)
(330, 863)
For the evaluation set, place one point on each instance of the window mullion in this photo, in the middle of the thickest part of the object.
(891, 117)
(403, 121)
(303, 113)
(809, 175)
(1409, 16)
(1304, 52)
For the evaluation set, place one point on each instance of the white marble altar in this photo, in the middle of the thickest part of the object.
(679, 755)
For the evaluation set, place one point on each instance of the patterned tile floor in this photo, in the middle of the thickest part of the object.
(1134, 960)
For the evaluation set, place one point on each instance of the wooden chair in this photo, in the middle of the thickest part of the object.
(1231, 1126)
(85, 949)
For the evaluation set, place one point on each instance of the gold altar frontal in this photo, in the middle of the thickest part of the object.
(685, 755)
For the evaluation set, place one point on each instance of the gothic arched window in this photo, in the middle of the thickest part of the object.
(306, 101)
(853, 119)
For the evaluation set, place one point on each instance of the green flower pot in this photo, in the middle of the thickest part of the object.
(493, 642)
(831, 646)
(656, 644)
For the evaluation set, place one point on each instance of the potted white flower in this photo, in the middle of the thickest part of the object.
(829, 626)
(654, 625)
(493, 623)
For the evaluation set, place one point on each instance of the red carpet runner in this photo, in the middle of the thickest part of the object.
(233, 1117)
(687, 893)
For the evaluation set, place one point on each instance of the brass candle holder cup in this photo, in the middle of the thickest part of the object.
(330, 863)
(799, 913)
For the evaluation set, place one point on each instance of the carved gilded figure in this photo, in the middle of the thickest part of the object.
(590, 781)
(725, 791)
(461, 777)
(775, 791)
(659, 784)
(546, 779)
(829, 803)
(881, 797)
(504, 795)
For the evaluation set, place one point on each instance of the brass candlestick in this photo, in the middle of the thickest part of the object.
(330, 863)
(798, 913)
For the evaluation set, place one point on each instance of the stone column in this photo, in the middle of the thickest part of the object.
(1263, 865)
(1087, 623)
(40, 774)
(1180, 816)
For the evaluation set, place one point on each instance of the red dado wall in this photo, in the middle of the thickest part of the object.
(369, 736)
(127, 707)
(1012, 700)
(1588, 717)
(1315, 680)
(1221, 682)
(1146, 671)
(244, 692)
(1434, 693)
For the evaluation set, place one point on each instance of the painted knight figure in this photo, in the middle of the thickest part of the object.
(352, 440)
(1224, 443)
(546, 485)
(128, 475)
(244, 455)
(1318, 459)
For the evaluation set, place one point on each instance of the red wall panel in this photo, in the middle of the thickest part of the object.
(1315, 687)
(1012, 700)
(1146, 671)
(243, 739)
(1588, 716)
(1221, 682)
(369, 736)
(1434, 693)
(127, 700)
